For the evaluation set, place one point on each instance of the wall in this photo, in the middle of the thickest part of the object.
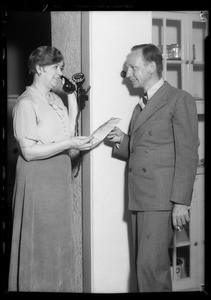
(107, 250)
(66, 36)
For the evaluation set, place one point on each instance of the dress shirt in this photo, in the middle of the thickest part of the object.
(151, 91)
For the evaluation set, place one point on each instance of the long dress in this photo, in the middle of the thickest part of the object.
(43, 254)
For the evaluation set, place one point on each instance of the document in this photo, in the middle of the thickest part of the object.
(101, 132)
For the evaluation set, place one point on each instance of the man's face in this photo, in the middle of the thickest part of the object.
(138, 69)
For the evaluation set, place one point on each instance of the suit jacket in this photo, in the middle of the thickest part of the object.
(162, 148)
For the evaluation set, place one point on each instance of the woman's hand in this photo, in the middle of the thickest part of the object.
(81, 143)
(116, 135)
(37, 151)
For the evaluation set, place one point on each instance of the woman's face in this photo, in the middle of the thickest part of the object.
(51, 74)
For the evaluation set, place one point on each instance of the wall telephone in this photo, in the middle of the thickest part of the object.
(69, 87)
(82, 97)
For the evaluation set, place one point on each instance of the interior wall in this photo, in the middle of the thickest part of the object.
(66, 36)
(108, 251)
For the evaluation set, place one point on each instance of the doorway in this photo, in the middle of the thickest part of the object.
(23, 32)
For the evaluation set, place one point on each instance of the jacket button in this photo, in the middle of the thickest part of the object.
(130, 170)
(131, 151)
(144, 170)
(150, 132)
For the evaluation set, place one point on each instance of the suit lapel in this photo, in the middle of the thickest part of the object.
(136, 114)
(159, 99)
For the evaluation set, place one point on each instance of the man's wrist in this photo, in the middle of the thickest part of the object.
(118, 143)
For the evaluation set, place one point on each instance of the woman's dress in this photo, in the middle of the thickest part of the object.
(43, 252)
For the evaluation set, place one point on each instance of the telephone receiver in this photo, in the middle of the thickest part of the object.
(69, 88)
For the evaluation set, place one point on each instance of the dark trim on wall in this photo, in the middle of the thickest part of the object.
(86, 182)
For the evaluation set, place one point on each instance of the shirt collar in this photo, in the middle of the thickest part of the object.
(152, 91)
(154, 88)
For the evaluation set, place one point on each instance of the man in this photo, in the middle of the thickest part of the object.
(162, 152)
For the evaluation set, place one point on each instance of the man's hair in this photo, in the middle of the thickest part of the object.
(151, 53)
(44, 56)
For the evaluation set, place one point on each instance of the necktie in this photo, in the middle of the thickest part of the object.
(145, 98)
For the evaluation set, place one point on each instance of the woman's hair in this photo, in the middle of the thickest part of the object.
(151, 53)
(44, 56)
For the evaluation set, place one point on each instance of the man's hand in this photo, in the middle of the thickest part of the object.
(116, 135)
(180, 216)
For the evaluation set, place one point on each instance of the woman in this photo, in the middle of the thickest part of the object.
(43, 251)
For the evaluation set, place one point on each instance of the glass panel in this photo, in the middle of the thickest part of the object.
(157, 31)
(183, 262)
(173, 32)
(173, 39)
(174, 76)
(199, 30)
(198, 81)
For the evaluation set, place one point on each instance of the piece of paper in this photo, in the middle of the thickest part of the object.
(101, 132)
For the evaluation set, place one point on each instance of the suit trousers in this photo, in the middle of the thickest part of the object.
(152, 235)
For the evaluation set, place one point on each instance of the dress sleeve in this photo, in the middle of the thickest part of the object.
(25, 123)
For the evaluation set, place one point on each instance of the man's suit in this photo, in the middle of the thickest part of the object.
(162, 152)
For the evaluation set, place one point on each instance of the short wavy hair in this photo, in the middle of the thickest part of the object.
(44, 56)
(151, 53)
